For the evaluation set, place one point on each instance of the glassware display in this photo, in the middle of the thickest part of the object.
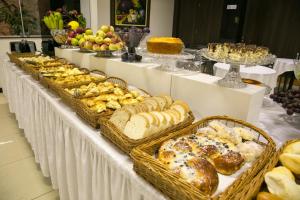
(60, 36)
(297, 67)
(233, 77)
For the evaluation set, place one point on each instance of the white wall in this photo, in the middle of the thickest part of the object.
(161, 15)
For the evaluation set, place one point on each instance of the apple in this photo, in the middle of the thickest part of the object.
(109, 34)
(111, 28)
(72, 34)
(74, 41)
(113, 47)
(79, 30)
(120, 45)
(99, 40)
(82, 40)
(97, 47)
(86, 37)
(107, 40)
(104, 28)
(69, 40)
(79, 36)
(88, 45)
(103, 47)
(92, 38)
(114, 40)
(101, 34)
(88, 32)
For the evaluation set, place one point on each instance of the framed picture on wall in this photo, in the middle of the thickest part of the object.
(130, 13)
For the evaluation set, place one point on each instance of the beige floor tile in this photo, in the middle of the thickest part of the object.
(2, 99)
(22, 180)
(53, 195)
(8, 125)
(4, 111)
(13, 147)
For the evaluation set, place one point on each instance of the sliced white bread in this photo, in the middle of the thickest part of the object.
(120, 118)
(162, 102)
(168, 99)
(137, 127)
(130, 108)
(183, 104)
(181, 110)
(152, 104)
(161, 118)
(153, 128)
(169, 119)
(175, 115)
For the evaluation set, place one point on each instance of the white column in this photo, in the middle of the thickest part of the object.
(85, 10)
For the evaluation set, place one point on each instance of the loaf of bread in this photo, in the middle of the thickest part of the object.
(144, 124)
(164, 45)
(290, 157)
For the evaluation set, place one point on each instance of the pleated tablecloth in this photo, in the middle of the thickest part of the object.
(81, 163)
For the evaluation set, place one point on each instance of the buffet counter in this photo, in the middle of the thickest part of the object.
(200, 91)
(79, 160)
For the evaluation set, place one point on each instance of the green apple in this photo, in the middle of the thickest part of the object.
(88, 45)
(111, 28)
(86, 37)
(101, 34)
(92, 38)
(120, 45)
(79, 36)
(99, 40)
(88, 32)
(107, 40)
(104, 28)
(113, 47)
(74, 42)
(81, 41)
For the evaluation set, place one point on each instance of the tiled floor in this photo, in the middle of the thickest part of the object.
(20, 176)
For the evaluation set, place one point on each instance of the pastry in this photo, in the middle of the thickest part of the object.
(280, 183)
(267, 196)
(250, 150)
(164, 45)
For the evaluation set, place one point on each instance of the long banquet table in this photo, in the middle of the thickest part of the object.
(80, 162)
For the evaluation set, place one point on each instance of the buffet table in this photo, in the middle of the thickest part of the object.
(260, 73)
(203, 95)
(81, 163)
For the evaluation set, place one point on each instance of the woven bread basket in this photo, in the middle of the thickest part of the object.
(254, 186)
(146, 165)
(90, 116)
(126, 144)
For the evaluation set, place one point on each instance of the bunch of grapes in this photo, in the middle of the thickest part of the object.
(290, 100)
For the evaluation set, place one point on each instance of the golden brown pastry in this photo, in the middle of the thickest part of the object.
(290, 157)
(267, 196)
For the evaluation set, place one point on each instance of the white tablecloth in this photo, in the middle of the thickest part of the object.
(81, 163)
(260, 73)
(283, 65)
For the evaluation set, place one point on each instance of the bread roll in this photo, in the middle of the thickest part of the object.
(267, 196)
(291, 161)
(282, 185)
(292, 148)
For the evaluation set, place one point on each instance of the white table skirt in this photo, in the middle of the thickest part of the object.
(80, 162)
(260, 73)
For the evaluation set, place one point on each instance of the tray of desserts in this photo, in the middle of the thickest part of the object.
(211, 159)
(113, 95)
(280, 178)
(238, 53)
(145, 121)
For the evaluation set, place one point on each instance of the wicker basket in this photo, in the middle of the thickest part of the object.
(175, 187)
(92, 117)
(254, 187)
(126, 144)
(14, 57)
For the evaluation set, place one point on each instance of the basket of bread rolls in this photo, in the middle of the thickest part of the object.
(136, 124)
(210, 159)
(280, 179)
(101, 100)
